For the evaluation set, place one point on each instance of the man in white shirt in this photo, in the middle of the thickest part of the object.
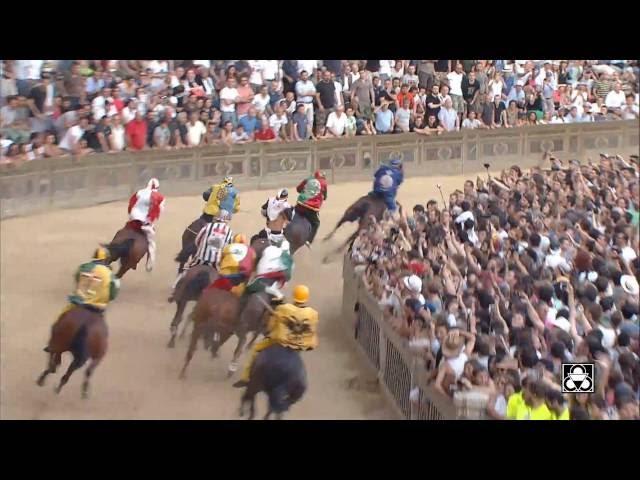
(257, 74)
(195, 131)
(277, 121)
(27, 74)
(309, 66)
(615, 98)
(471, 122)
(228, 98)
(336, 123)
(270, 70)
(455, 88)
(385, 68)
(339, 95)
(448, 117)
(556, 259)
(70, 140)
(98, 104)
(587, 115)
(630, 108)
(306, 91)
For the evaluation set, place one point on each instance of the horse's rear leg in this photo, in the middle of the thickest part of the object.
(338, 225)
(122, 270)
(233, 366)
(177, 318)
(77, 362)
(52, 365)
(341, 247)
(219, 339)
(195, 335)
(186, 324)
(87, 374)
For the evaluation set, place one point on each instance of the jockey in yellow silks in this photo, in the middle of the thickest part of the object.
(293, 326)
(96, 284)
(222, 196)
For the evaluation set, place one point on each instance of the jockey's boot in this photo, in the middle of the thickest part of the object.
(149, 232)
(274, 291)
(240, 384)
(308, 244)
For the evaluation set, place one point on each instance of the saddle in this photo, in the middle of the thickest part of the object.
(229, 284)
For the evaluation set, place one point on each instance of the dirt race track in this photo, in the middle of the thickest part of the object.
(138, 379)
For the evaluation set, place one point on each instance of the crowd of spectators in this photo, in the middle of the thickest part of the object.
(515, 276)
(53, 108)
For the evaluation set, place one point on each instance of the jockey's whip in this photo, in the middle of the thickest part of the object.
(442, 196)
(266, 305)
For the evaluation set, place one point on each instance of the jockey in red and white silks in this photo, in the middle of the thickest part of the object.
(145, 207)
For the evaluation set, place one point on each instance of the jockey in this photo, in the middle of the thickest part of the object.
(210, 241)
(293, 326)
(386, 181)
(278, 212)
(312, 192)
(236, 265)
(221, 197)
(145, 207)
(276, 263)
(96, 285)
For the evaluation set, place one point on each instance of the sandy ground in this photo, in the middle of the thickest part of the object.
(138, 378)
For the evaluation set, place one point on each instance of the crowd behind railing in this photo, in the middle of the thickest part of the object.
(514, 277)
(80, 107)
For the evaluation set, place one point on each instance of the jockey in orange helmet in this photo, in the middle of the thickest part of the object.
(293, 326)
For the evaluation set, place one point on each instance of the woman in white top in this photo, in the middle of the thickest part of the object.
(496, 85)
(579, 97)
(398, 70)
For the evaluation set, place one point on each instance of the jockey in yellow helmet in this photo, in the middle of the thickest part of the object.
(222, 197)
(96, 284)
(293, 326)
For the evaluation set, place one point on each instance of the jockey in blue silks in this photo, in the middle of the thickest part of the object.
(386, 181)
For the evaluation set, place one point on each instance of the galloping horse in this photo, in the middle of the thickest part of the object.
(217, 314)
(129, 245)
(297, 231)
(189, 242)
(279, 372)
(83, 333)
(360, 211)
(189, 288)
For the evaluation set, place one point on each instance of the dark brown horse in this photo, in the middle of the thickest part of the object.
(188, 242)
(189, 288)
(280, 373)
(359, 211)
(83, 333)
(129, 246)
(297, 232)
(218, 315)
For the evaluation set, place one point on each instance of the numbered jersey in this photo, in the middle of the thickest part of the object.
(96, 286)
(294, 327)
(210, 241)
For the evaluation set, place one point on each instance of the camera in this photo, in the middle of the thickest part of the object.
(486, 165)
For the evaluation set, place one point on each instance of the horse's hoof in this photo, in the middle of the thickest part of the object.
(85, 395)
(182, 375)
(57, 390)
(170, 299)
(325, 260)
(172, 343)
(40, 382)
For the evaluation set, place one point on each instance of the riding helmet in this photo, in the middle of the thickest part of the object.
(395, 162)
(240, 238)
(101, 253)
(283, 193)
(300, 294)
(228, 180)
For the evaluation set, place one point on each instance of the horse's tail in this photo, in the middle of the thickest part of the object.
(77, 347)
(119, 250)
(195, 287)
(352, 214)
(186, 252)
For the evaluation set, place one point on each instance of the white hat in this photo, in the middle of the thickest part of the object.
(561, 323)
(629, 284)
(544, 243)
(413, 283)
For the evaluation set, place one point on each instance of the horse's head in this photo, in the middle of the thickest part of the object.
(259, 245)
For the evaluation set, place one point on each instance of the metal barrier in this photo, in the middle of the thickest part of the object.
(399, 370)
(78, 182)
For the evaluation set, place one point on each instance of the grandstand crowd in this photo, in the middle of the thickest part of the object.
(515, 276)
(80, 107)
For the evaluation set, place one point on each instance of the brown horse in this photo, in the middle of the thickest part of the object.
(189, 242)
(359, 211)
(218, 315)
(129, 246)
(83, 333)
(189, 288)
